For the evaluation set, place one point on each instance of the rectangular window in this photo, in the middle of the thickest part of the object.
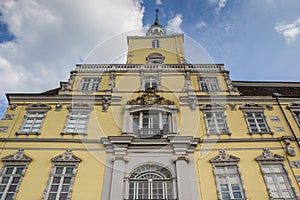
(61, 183)
(277, 181)
(216, 122)
(208, 84)
(90, 84)
(229, 182)
(148, 124)
(76, 123)
(32, 123)
(155, 43)
(151, 82)
(257, 122)
(10, 180)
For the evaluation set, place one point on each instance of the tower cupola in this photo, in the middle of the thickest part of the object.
(156, 28)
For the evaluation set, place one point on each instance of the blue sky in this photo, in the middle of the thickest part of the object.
(41, 40)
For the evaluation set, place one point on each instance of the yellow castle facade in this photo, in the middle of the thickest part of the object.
(156, 127)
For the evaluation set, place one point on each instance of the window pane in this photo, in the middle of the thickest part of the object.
(9, 196)
(12, 188)
(63, 196)
(52, 196)
(59, 170)
(5, 180)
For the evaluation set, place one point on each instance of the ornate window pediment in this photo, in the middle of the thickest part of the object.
(252, 106)
(224, 158)
(80, 107)
(213, 106)
(66, 157)
(39, 107)
(268, 156)
(19, 156)
(294, 105)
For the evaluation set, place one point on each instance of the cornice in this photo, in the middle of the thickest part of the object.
(266, 83)
(155, 36)
(22, 98)
(141, 141)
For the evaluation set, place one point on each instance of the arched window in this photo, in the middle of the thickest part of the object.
(155, 58)
(151, 182)
(155, 43)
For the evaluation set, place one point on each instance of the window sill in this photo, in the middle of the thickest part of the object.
(222, 133)
(28, 133)
(63, 133)
(261, 133)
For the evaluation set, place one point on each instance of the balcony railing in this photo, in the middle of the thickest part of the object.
(149, 67)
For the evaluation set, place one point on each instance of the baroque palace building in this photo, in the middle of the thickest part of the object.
(156, 127)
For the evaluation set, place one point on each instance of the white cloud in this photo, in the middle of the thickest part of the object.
(201, 24)
(174, 25)
(289, 31)
(52, 36)
(158, 2)
(220, 4)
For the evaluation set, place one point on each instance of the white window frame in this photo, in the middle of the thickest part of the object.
(32, 123)
(231, 184)
(10, 184)
(153, 80)
(213, 125)
(33, 119)
(15, 162)
(76, 119)
(90, 84)
(58, 188)
(258, 123)
(133, 120)
(155, 43)
(208, 83)
(278, 173)
(149, 176)
(78, 116)
(279, 180)
(64, 161)
(148, 123)
(226, 167)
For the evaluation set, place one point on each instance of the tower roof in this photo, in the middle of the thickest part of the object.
(156, 28)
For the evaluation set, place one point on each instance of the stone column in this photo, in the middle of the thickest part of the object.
(185, 168)
(117, 184)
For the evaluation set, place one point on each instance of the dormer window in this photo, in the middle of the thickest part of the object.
(155, 58)
(155, 43)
